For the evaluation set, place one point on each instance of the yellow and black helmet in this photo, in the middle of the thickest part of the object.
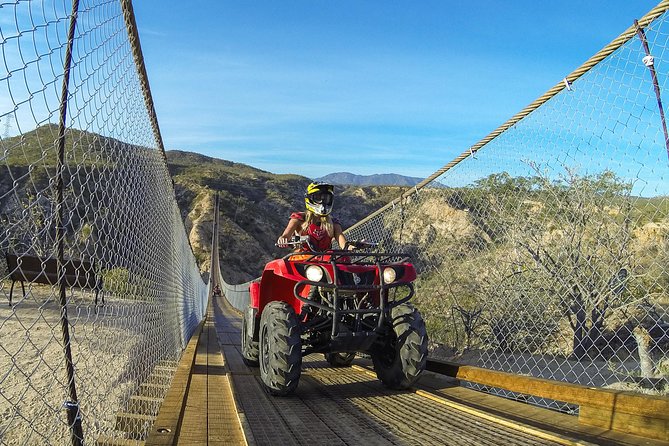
(319, 198)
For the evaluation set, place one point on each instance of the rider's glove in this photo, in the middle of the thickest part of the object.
(354, 245)
(282, 242)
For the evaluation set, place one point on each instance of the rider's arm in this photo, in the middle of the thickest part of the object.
(339, 236)
(290, 230)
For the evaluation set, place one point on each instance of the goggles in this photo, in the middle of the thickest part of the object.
(321, 198)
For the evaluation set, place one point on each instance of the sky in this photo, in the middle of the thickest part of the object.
(313, 87)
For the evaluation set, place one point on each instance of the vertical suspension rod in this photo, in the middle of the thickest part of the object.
(656, 85)
(72, 405)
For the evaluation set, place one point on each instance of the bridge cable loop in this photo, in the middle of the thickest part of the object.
(567, 84)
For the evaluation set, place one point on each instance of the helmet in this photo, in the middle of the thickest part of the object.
(319, 198)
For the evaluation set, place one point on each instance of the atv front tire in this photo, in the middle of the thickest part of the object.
(250, 349)
(280, 348)
(340, 359)
(401, 359)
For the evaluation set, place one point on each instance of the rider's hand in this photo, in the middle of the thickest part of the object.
(282, 242)
(357, 244)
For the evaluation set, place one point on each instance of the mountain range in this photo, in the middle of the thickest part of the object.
(384, 179)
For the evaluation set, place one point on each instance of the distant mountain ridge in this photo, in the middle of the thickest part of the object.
(384, 179)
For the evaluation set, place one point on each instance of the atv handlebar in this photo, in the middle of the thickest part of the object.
(298, 240)
(294, 241)
(360, 244)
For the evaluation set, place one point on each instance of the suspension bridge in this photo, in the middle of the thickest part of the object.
(541, 253)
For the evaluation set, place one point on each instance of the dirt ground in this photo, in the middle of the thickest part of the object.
(111, 349)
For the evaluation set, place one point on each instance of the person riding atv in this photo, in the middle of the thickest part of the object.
(337, 302)
(316, 222)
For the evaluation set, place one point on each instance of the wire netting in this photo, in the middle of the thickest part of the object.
(132, 291)
(545, 251)
(237, 295)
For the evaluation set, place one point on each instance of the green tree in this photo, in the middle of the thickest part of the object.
(578, 248)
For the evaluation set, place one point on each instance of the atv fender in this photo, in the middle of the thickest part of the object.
(278, 284)
(254, 293)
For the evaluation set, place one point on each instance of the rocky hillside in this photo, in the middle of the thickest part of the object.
(255, 207)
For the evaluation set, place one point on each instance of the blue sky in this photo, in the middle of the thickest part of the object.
(314, 87)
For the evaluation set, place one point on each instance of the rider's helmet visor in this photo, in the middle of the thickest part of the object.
(321, 198)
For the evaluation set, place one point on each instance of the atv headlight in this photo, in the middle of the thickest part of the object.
(314, 273)
(389, 275)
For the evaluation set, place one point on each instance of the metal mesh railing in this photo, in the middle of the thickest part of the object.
(544, 249)
(99, 289)
(237, 295)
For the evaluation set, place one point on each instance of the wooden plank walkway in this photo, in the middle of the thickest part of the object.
(200, 408)
(210, 397)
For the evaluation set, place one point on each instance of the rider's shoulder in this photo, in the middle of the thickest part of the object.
(297, 216)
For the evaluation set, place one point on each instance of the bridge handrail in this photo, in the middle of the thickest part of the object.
(618, 410)
(237, 295)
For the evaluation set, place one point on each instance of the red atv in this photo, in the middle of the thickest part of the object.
(338, 303)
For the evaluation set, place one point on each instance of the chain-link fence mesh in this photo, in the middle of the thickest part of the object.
(545, 250)
(101, 227)
(543, 253)
(236, 295)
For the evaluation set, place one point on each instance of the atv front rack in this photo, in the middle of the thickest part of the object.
(337, 257)
(347, 257)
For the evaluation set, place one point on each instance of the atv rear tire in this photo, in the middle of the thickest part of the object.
(340, 359)
(401, 360)
(250, 349)
(280, 348)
